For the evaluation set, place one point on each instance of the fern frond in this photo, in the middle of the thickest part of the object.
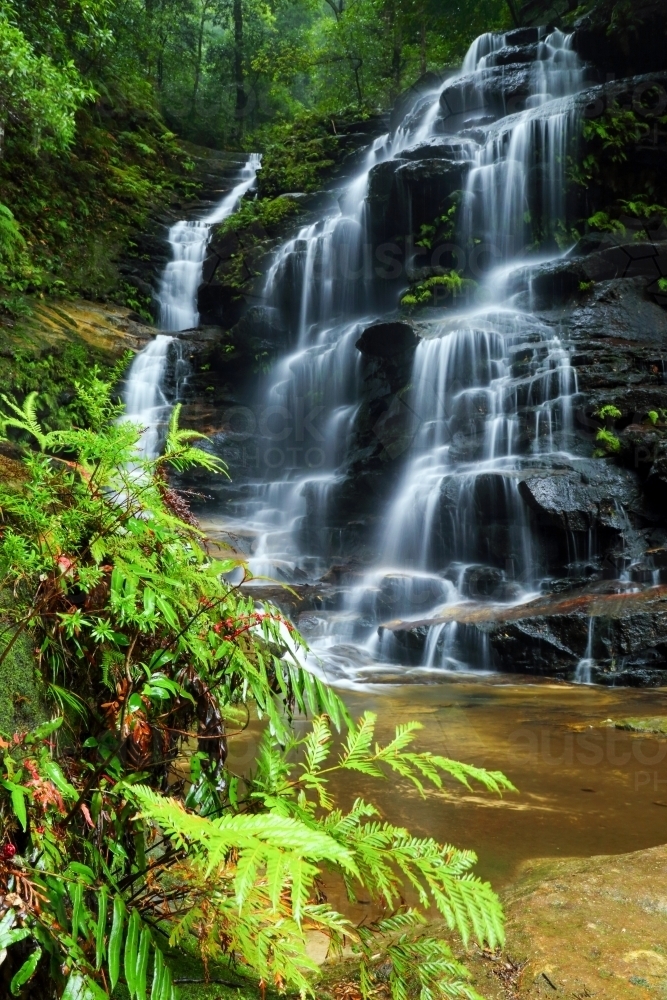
(25, 418)
(179, 453)
(249, 833)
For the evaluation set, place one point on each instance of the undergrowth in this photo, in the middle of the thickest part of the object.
(127, 841)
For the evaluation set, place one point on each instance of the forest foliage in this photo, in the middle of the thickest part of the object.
(97, 94)
(128, 838)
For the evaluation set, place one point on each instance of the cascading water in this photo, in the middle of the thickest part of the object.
(148, 400)
(489, 400)
(188, 241)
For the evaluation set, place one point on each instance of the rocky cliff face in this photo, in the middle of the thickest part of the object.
(597, 520)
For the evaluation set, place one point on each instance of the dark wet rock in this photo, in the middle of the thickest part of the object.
(405, 194)
(513, 54)
(552, 635)
(594, 262)
(386, 340)
(598, 495)
(652, 450)
(626, 649)
(623, 46)
(504, 91)
(522, 36)
(488, 582)
(444, 149)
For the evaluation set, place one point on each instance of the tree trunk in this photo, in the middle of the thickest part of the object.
(240, 102)
(422, 49)
(198, 64)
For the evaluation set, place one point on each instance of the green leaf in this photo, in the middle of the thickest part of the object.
(101, 927)
(76, 893)
(116, 940)
(167, 610)
(18, 795)
(9, 934)
(53, 772)
(142, 963)
(130, 959)
(46, 729)
(26, 972)
(80, 987)
(83, 871)
(158, 975)
(167, 988)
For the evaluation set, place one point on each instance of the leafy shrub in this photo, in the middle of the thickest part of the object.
(37, 92)
(609, 412)
(297, 154)
(263, 214)
(434, 289)
(126, 839)
(12, 243)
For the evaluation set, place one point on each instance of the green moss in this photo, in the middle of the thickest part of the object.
(253, 227)
(21, 693)
(74, 212)
(656, 725)
(297, 154)
(21, 703)
(263, 214)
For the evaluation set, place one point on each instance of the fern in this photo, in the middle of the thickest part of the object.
(24, 419)
(179, 452)
(153, 661)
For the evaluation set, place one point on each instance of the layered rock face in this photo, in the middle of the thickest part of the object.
(445, 462)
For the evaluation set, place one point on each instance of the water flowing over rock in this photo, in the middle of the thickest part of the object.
(436, 461)
(156, 376)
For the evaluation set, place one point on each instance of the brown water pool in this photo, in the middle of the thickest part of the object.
(583, 788)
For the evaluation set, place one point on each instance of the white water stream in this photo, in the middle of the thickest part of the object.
(431, 543)
(455, 516)
(148, 400)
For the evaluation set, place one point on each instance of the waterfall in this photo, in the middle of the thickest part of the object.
(584, 671)
(188, 241)
(455, 526)
(148, 401)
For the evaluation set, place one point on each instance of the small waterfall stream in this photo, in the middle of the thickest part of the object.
(148, 398)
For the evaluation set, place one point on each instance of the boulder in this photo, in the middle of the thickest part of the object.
(513, 54)
(619, 309)
(405, 194)
(387, 340)
(595, 496)
(522, 36)
(626, 648)
(503, 91)
(433, 149)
